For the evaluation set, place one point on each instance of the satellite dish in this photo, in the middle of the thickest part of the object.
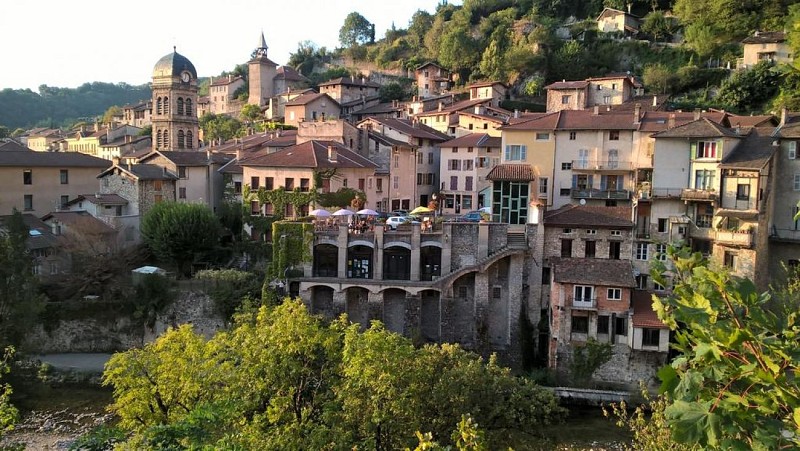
(583, 202)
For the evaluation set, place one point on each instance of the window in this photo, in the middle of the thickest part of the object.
(706, 149)
(429, 178)
(614, 250)
(515, 152)
(64, 176)
(396, 161)
(580, 324)
(158, 185)
(453, 183)
(182, 172)
(462, 292)
(616, 233)
(792, 150)
(188, 110)
(305, 184)
(606, 99)
(704, 179)
(180, 105)
(566, 248)
(705, 214)
(565, 100)
(497, 292)
(542, 136)
(543, 185)
(658, 287)
(379, 185)
(181, 193)
(254, 183)
(395, 182)
(454, 165)
(64, 201)
(591, 232)
(566, 230)
(27, 177)
(589, 249)
(614, 294)
(237, 187)
(641, 251)
(158, 198)
(419, 178)
(468, 183)
(564, 192)
(53, 268)
(469, 149)
(466, 202)
(797, 182)
(613, 135)
(430, 157)
(650, 337)
(662, 225)
(661, 252)
(159, 140)
(621, 325)
(730, 260)
(545, 276)
(602, 324)
(573, 136)
(566, 166)
(743, 191)
(467, 164)
(344, 183)
(269, 183)
(641, 281)
(420, 158)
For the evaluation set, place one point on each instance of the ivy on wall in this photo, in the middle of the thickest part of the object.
(291, 246)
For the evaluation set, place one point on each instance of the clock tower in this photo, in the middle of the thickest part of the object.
(175, 124)
(261, 72)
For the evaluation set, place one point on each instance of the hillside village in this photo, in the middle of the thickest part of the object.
(570, 206)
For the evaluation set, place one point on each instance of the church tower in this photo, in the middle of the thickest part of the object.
(175, 124)
(261, 72)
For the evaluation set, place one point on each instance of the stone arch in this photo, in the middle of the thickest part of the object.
(326, 260)
(430, 315)
(361, 243)
(397, 244)
(357, 305)
(394, 309)
(322, 301)
(396, 263)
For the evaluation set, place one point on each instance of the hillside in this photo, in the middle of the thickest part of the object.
(61, 107)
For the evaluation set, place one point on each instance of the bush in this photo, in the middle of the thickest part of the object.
(101, 438)
(228, 287)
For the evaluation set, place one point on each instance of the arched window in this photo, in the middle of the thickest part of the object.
(189, 139)
(159, 140)
(166, 139)
(188, 107)
(180, 105)
(180, 139)
(166, 105)
(158, 106)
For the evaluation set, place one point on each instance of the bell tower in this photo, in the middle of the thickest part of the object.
(175, 123)
(261, 72)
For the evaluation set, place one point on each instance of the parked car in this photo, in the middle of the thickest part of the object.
(382, 216)
(400, 213)
(395, 221)
(473, 216)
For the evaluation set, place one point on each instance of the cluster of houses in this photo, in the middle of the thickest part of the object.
(583, 199)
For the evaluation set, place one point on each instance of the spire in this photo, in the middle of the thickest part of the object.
(263, 43)
(261, 50)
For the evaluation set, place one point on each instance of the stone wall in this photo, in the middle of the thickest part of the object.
(464, 247)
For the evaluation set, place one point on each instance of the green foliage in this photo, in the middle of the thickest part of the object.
(730, 20)
(152, 294)
(341, 198)
(100, 438)
(228, 287)
(20, 299)
(220, 128)
(659, 78)
(251, 113)
(587, 358)
(659, 26)
(112, 112)
(9, 415)
(4, 132)
(282, 379)
(747, 91)
(356, 30)
(733, 385)
(179, 232)
(291, 244)
(60, 107)
(393, 91)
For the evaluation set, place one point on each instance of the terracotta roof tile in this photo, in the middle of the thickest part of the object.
(515, 172)
(588, 120)
(308, 98)
(643, 314)
(413, 129)
(51, 159)
(754, 152)
(765, 37)
(589, 216)
(541, 121)
(582, 84)
(701, 128)
(310, 154)
(473, 140)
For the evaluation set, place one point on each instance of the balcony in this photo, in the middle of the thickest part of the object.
(784, 235)
(591, 193)
(666, 193)
(605, 166)
(582, 303)
(699, 195)
(730, 238)
(702, 233)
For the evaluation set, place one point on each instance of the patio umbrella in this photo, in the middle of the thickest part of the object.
(487, 210)
(367, 212)
(320, 213)
(343, 212)
(420, 210)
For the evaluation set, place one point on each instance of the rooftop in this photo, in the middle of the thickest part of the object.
(593, 271)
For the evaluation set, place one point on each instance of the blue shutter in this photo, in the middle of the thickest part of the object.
(508, 153)
(693, 150)
(603, 179)
(574, 181)
(523, 152)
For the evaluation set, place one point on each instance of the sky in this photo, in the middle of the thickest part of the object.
(67, 43)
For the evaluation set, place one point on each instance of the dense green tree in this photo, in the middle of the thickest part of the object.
(746, 91)
(491, 63)
(179, 232)
(356, 30)
(4, 132)
(733, 384)
(305, 58)
(112, 112)
(393, 91)
(657, 25)
(420, 23)
(459, 52)
(220, 128)
(659, 78)
(20, 299)
(568, 62)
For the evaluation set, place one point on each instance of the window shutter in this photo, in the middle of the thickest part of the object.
(603, 180)
(621, 182)
(591, 184)
(508, 153)
(574, 181)
(523, 150)
(694, 150)
(792, 150)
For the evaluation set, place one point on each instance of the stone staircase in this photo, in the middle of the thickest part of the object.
(480, 265)
(517, 240)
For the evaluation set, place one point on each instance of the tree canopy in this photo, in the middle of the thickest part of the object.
(180, 232)
(356, 30)
(283, 379)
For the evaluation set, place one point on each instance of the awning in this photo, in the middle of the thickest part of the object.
(512, 173)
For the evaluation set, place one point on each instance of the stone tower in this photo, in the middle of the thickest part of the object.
(262, 71)
(175, 124)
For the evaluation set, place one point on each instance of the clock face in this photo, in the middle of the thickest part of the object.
(185, 77)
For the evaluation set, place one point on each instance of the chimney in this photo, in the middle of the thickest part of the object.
(441, 106)
(637, 113)
(332, 154)
(655, 100)
(738, 129)
(208, 155)
(130, 168)
(478, 109)
(97, 195)
(596, 110)
(115, 161)
(238, 154)
(128, 139)
(629, 7)
(96, 126)
(516, 113)
(230, 77)
(671, 121)
(696, 113)
(395, 103)
(783, 116)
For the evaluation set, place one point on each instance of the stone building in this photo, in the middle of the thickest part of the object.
(765, 46)
(174, 118)
(261, 73)
(432, 80)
